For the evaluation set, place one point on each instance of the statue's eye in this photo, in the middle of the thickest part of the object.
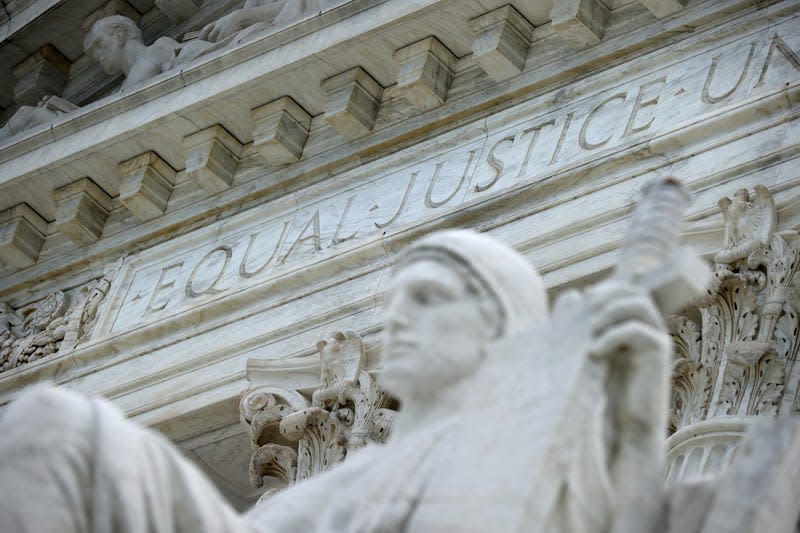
(431, 294)
(422, 296)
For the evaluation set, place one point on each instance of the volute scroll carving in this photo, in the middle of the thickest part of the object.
(261, 411)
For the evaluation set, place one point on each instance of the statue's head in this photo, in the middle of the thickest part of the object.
(106, 40)
(452, 292)
(743, 195)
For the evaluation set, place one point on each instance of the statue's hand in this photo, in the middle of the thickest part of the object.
(624, 321)
(227, 25)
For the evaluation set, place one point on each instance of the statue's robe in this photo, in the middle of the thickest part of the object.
(73, 464)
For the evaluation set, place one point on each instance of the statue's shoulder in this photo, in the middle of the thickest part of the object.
(163, 49)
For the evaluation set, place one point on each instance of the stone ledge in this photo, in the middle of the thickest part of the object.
(22, 233)
(385, 137)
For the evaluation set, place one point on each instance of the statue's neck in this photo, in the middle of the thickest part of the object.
(133, 51)
(423, 412)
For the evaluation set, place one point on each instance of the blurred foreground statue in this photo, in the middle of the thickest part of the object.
(513, 418)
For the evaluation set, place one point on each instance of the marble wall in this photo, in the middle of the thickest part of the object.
(256, 249)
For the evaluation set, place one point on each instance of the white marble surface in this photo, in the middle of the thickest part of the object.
(566, 245)
(172, 357)
(509, 151)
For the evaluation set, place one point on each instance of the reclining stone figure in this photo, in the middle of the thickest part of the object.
(513, 418)
(115, 42)
(26, 117)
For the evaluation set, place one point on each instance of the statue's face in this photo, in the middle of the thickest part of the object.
(435, 329)
(107, 51)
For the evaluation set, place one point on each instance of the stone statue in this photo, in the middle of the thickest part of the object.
(513, 418)
(26, 117)
(260, 13)
(115, 42)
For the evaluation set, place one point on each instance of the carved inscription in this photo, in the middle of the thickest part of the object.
(525, 144)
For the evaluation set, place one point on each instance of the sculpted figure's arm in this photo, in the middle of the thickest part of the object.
(655, 275)
(73, 464)
(253, 12)
(631, 342)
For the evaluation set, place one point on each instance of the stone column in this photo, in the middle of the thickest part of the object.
(736, 351)
(296, 435)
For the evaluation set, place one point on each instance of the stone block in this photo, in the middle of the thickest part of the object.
(352, 100)
(426, 71)
(146, 185)
(579, 22)
(81, 212)
(663, 8)
(177, 10)
(502, 40)
(212, 156)
(682, 278)
(41, 74)
(22, 233)
(110, 8)
(281, 130)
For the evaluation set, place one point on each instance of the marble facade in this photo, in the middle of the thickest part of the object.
(179, 245)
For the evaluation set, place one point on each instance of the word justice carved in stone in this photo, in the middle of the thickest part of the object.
(522, 145)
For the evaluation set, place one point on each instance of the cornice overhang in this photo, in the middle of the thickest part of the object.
(224, 87)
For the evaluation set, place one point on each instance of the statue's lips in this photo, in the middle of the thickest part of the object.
(400, 356)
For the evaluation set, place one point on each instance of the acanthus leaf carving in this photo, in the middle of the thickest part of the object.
(273, 460)
(691, 389)
(321, 443)
(294, 438)
(261, 411)
(742, 363)
(349, 391)
(769, 385)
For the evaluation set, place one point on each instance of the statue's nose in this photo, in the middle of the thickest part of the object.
(395, 318)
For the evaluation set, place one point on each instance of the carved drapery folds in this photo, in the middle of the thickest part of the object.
(739, 359)
(54, 325)
(294, 438)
